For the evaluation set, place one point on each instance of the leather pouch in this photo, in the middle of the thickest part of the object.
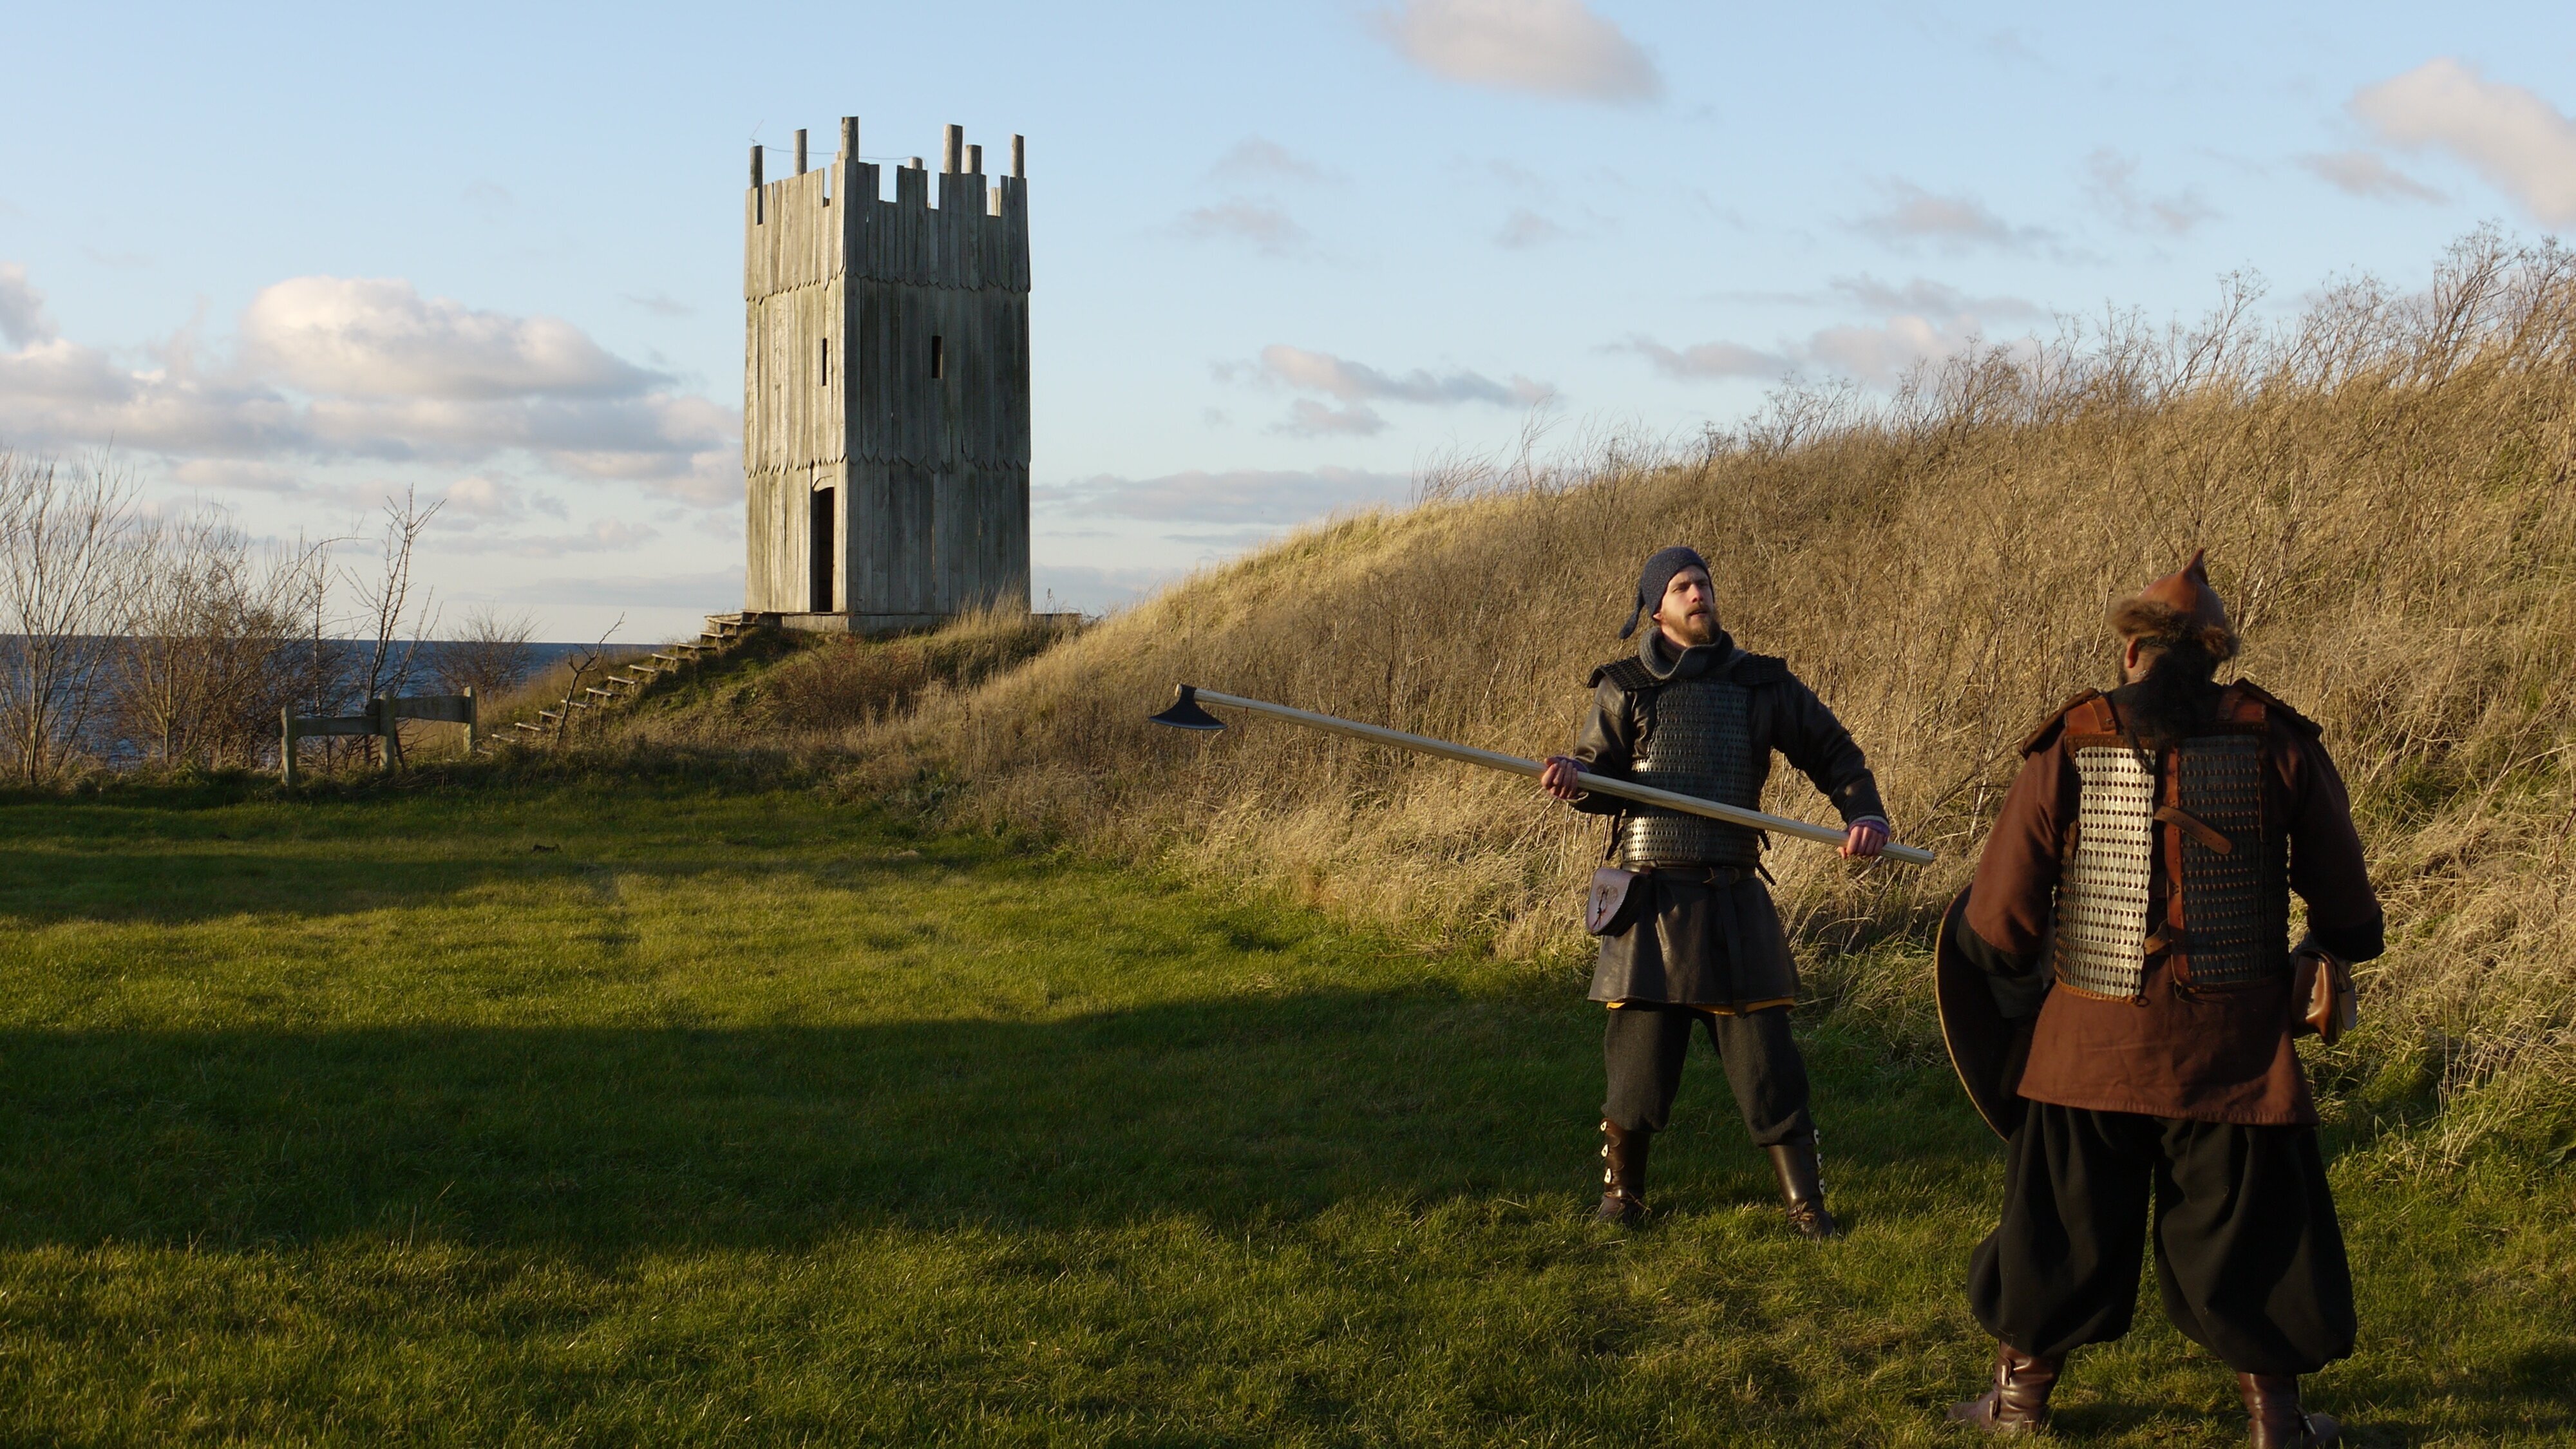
(2333, 1004)
(1605, 906)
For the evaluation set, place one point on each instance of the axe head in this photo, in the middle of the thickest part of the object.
(1185, 713)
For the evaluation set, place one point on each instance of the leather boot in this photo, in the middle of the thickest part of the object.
(2272, 1402)
(2018, 1403)
(1802, 1184)
(1623, 1174)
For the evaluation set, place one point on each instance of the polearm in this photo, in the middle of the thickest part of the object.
(1186, 714)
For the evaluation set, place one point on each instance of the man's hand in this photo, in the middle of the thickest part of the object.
(1558, 778)
(1864, 840)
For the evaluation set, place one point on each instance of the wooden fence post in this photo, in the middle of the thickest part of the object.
(388, 732)
(473, 724)
(286, 745)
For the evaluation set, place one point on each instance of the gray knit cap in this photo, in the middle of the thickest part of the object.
(1658, 576)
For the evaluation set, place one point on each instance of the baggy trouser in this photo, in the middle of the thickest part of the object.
(2249, 1257)
(1643, 1048)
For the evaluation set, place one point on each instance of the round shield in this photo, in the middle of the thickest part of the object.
(1986, 1050)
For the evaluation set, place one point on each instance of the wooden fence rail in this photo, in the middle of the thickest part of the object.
(383, 720)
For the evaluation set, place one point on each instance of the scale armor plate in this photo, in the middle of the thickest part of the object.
(2234, 932)
(2102, 898)
(2232, 940)
(1700, 742)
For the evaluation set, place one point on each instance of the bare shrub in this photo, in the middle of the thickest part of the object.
(205, 651)
(395, 624)
(63, 556)
(489, 654)
(2387, 489)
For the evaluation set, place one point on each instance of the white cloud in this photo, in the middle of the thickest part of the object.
(1918, 322)
(1351, 381)
(1256, 159)
(480, 499)
(1237, 497)
(1258, 224)
(2115, 186)
(1956, 222)
(1546, 47)
(1525, 228)
(2366, 173)
(1924, 295)
(1709, 359)
(23, 319)
(336, 369)
(378, 337)
(605, 536)
(238, 475)
(2519, 142)
(1308, 418)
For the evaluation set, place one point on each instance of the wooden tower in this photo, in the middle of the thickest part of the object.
(885, 438)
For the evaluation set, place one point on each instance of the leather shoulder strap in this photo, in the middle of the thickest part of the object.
(2095, 718)
(1752, 670)
(2250, 703)
(1629, 673)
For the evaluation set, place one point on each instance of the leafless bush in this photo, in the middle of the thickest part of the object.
(489, 655)
(63, 541)
(205, 643)
(395, 624)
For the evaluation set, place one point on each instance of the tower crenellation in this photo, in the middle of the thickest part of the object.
(886, 388)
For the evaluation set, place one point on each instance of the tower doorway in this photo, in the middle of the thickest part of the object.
(818, 534)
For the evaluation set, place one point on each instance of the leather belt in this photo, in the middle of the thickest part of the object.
(1716, 875)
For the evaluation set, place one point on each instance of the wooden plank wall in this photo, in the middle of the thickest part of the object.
(795, 434)
(933, 472)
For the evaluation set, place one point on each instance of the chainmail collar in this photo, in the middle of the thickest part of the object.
(1656, 653)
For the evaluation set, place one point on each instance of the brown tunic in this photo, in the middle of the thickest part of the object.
(2207, 1055)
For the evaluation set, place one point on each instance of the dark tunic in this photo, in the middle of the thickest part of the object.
(1699, 942)
(2212, 1055)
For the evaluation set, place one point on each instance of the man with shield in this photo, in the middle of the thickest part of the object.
(2120, 997)
(1690, 938)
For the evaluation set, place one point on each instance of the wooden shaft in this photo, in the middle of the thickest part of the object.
(1515, 765)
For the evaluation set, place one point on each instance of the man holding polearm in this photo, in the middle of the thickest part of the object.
(1691, 940)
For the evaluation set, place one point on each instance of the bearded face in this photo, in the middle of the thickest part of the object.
(1688, 612)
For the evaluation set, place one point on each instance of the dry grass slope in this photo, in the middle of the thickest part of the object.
(2384, 489)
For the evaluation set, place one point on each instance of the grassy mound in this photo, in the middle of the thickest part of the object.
(2384, 487)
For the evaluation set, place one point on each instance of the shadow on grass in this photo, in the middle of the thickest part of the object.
(601, 1138)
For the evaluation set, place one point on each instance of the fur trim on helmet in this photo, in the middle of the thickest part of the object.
(2154, 622)
(2179, 609)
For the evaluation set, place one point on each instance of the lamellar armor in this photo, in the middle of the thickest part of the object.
(2225, 921)
(1696, 738)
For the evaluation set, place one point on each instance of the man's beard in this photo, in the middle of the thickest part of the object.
(1693, 629)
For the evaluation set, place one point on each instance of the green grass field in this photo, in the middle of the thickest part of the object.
(658, 1113)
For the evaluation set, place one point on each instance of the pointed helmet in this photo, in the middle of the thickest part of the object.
(2179, 608)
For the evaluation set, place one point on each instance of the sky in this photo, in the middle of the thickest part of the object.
(289, 261)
